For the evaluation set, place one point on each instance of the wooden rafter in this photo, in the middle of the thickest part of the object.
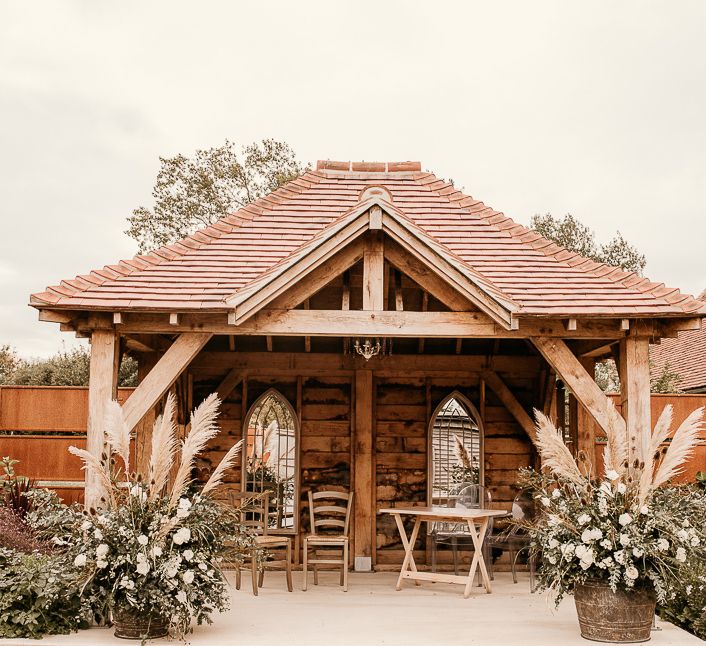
(506, 396)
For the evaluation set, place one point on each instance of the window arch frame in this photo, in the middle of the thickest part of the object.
(272, 391)
(474, 414)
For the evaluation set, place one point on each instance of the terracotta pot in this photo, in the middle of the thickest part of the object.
(130, 624)
(618, 617)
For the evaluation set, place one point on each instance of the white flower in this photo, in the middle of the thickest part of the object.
(638, 552)
(556, 493)
(607, 544)
(86, 525)
(612, 475)
(631, 572)
(102, 550)
(685, 523)
(625, 540)
(567, 550)
(695, 540)
(552, 559)
(156, 551)
(625, 519)
(621, 488)
(602, 506)
(545, 501)
(587, 536)
(143, 567)
(171, 571)
(688, 589)
(188, 576)
(662, 544)
(188, 555)
(184, 503)
(607, 561)
(182, 513)
(681, 554)
(644, 510)
(203, 567)
(683, 535)
(80, 560)
(587, 559)
(182, 535)
(605, 488)
(553, 521)
(142, 539)
(619, 556)
(98, 534)
(126, 583)
(100, 564)
(181, 596)
(583, 519)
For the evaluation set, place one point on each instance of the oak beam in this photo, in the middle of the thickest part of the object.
(575, 377)
(510, 402)
(166, 371)
(102, 389)
(229, 383)
(363, 481)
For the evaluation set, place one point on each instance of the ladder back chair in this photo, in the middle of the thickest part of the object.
(329, 514)
(257, 513)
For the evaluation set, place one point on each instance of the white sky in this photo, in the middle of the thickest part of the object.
(594, 108)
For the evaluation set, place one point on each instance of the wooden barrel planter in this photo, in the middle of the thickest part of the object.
(618, 617)
(133, 625)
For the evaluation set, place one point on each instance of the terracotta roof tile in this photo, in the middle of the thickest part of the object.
(685, 355)
(518, 265)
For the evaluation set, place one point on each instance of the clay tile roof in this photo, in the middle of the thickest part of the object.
(202, 271)
(685, 356)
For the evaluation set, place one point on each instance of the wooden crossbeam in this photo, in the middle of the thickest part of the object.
(579, 381)
(506, 396)
(163, 375)
(229, 383)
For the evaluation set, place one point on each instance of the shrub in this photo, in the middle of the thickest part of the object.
(686, 605)
(39, 595)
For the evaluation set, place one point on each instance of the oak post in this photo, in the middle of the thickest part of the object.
(102, 388)
(635, 393)
(363, 471)
(143, 431)
(374, 273)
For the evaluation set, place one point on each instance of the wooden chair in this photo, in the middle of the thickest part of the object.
(329, 513)
(256, 516)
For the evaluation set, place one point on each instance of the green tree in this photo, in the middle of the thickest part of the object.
(194, 192)
(65, 368)
(8, 362)
(575, 236)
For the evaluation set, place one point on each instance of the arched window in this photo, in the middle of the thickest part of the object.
(271, 456)
(456, 441)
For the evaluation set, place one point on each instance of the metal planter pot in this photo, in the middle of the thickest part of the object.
(132, 625)
(618, 617)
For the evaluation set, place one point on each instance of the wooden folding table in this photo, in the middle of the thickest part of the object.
(470, 516)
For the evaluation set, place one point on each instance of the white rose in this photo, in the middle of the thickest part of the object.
(621, 488)
(142, 539)
(172, 571)
(102, 550)
(587, 560)
(695, 540)
(181, 596)
(80, 560)
(631, 572)
(683, 535)
(203, 567)
(567, 550)
(625, 540)
(188, 576)
(98, 534)
(182, 535)
(580, 551)
(619, 556)
(662, 544)
(182, 513)
(156, 551)
(583, 519)
(86, 525)
(681, 554)
(552, 559)
(556, 493)
(606, 544)
(184, 503)
(636, 551)
(100, 564)
(188, 555)
(625, 519)
(545, 501)
(143, 567)
(587, 536)
(644, 510)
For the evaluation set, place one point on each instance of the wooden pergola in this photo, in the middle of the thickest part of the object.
(461, 298)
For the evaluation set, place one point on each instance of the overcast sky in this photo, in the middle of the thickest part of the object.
(593, 108)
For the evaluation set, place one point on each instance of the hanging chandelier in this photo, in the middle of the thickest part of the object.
(367, 349)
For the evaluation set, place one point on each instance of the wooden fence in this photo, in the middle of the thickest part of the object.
(38, 424)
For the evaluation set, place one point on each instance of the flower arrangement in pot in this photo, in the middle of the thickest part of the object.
(151, 550)
(615, 542)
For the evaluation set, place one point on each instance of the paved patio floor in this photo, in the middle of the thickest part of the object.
(373, 613)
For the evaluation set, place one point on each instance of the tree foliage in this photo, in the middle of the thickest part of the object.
(575, 236)
(194, 192)
(666, 382)
(65, 368)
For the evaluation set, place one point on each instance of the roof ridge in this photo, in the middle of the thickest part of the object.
(551, 249)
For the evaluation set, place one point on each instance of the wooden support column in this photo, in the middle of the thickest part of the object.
(574, 375)
(634, 370)
(143, 431)
(585, 435)
(364, 488)
(374, 273)
(102, 388)
(163, 375)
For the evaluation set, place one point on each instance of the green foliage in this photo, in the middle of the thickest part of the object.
(666, 382)
(65, 368)
(194, 192)
(571, 234)
(686, 605)
(39, 595)
(606, 375)
(14, 488)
